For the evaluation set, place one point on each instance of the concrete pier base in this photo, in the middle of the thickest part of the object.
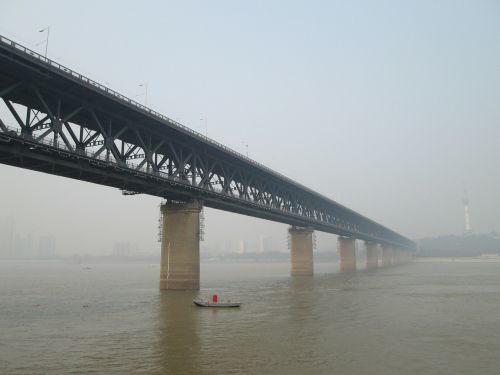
(372, 253)
(301, 251)
(180, 246)
(347, 254)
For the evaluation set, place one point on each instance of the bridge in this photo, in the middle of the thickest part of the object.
(58, 121)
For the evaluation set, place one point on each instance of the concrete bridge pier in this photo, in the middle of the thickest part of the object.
(301, 251)
(347, 253)
(180, 246)
(372, 253)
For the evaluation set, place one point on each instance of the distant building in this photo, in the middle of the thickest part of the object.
(47, 247)
(459, 246)
(23, 246)
(495, 234)
(242, 247)
(7, 238)
(263, 244)
(228, 246)
(124, 249)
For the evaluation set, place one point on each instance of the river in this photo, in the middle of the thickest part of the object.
(422, 318)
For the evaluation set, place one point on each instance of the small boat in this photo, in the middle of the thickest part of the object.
(201, 303)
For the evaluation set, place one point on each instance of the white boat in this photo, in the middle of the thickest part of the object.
(202, 303)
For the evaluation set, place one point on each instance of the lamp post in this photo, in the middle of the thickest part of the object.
(47, 29)
(145, 85)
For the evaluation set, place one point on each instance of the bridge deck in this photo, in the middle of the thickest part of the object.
(63, 123)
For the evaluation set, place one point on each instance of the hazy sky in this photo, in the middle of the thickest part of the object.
(384, 106)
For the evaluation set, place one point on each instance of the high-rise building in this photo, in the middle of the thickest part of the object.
(125, 249)
(7, 237)
(47, 247)
(465, 202)
(264, 244)
(23, 246)
(228, 246)
(242, 247)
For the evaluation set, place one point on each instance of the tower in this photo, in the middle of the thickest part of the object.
(465, 202)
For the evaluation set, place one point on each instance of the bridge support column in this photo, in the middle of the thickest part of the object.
(347, 254)
(180, 246)
(301, 251)
(372, 252)
(387, 256)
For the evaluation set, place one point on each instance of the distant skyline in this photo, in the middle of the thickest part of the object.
(386, 107)
(15, 243)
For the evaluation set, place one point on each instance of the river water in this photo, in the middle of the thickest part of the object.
(423, 318)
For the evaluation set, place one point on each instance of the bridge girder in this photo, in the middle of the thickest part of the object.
(49, 126)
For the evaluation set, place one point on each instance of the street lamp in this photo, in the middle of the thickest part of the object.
(47, 29)
(145, 85)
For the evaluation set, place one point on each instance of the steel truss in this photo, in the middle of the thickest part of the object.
(45, 128)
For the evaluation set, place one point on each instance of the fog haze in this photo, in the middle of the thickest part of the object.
(386, 107)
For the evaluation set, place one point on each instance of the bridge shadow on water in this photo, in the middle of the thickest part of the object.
(297, 315)
(178, 330)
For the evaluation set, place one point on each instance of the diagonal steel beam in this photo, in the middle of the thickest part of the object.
(2, 126)
(65, 140)
(176, 156)
(144, 147)
(11, 88)
(28, 117)
(162, 142)
(71, 133)
(91, 138)
(43, 135)
(99, 151)
(162, 161)
(139, 166)
(44, 103)
(71, 114)
(39, 122)
(14, 113)
(101, 128)
(130, 151)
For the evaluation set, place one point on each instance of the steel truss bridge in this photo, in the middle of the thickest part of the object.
(58, 121)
